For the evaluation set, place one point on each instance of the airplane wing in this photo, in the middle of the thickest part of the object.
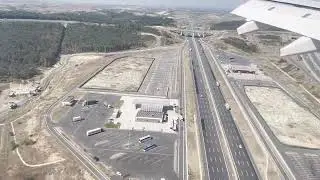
(300, 16)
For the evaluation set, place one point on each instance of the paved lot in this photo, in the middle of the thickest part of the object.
(120, 148)
(306, 165)
(228, 58)
(160, 78)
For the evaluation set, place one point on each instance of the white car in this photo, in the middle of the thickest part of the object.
(240, 146)
(227, 106)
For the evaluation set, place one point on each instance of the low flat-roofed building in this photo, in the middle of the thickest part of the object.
(150, 116)
(243, 69)
(152, 107)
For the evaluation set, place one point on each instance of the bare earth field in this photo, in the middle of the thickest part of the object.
(124, 74)
(291, 124)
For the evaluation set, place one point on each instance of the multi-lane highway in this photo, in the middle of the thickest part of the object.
(215, 159)
(215, 156)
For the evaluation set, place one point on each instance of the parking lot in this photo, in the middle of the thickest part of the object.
(160, 79)
(118, 147)
(307, 165)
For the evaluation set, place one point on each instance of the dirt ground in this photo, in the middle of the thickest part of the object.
(291, 123)
(157, 39)
(124, 74)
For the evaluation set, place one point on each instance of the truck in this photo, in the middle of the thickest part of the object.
(77, 118)
(89, 102)
(13, 105)
(174, 126)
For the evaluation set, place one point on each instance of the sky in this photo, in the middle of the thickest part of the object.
(208, 4)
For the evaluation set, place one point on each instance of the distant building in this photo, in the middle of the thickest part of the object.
(242, 69)
(152, 107)
(69, 101)
(150, 116)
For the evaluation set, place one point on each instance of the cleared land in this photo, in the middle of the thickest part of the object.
(290, 123)
(125, 74)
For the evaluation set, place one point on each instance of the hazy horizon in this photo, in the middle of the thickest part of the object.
(207, 4)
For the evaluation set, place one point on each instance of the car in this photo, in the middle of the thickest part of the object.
(227, 106)
(240, 146)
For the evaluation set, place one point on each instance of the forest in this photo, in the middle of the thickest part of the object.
(101, 17)
(25, 46)
(86, 38)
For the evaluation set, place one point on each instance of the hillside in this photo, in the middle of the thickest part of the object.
(85, 38)
(25, 46)
(101, 17)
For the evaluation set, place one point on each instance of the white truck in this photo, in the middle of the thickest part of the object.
(77, 118)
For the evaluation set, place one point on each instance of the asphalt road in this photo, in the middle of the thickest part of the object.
(313, 64)
(241, 159)
(214, 154)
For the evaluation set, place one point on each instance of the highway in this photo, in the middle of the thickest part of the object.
(240, 157)
(313, 64)
(214, 154)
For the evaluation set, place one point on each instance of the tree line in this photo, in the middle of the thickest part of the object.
(26, 46)
(101, 17)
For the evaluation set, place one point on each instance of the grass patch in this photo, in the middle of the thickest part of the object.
(112, 125)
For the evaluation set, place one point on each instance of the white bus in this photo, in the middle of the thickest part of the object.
(149, 147)
(145, 139)
(94, 131)
(77, 118)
